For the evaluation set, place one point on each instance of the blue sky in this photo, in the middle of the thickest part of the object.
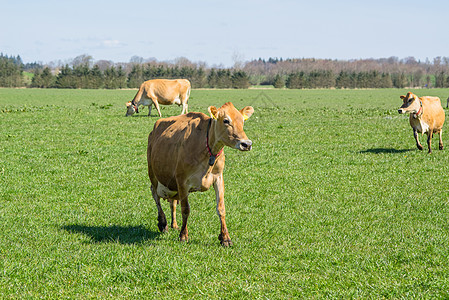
(220, 32)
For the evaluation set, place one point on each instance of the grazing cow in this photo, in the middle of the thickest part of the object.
(160, 91)
(426, 116)
(185, 154)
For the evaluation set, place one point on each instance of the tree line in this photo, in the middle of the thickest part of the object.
(361, 73)
(83, 77)
(83, 73)
(11, 69)
(343, 80)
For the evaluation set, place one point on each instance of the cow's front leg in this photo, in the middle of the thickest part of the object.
(173, 203)
(429, 140)
(156, 104)
(418, 144)
(162, 221)
(185, 210)
(224, 238)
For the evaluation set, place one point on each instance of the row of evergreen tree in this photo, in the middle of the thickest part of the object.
(11, 71)
(117, 76)
(351, 80)
(83, 77)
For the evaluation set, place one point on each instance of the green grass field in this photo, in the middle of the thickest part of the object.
(333, 201)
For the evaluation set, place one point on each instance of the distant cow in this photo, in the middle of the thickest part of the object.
(185, 155)
(426, 116)
(160, 91)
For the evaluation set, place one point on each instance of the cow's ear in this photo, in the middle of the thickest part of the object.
(247, 112)
(402, 97)
(213, 112)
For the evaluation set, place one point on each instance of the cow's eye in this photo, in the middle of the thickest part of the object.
(410, 100)
(226, 121)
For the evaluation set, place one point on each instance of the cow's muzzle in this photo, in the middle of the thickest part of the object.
(401, 111)
(244, 145)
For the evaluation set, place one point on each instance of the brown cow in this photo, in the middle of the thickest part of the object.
(185, 154)
(160, 91)
(426, 116)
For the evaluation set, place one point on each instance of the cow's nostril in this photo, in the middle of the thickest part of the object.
(245, 145)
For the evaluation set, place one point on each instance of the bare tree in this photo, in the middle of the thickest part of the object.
(182, 62)
(83, 59)
(238, 60)
(136, 60)
(104, 64)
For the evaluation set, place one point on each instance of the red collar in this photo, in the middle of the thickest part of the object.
(419, 113)
(136, 108)
(212, 156)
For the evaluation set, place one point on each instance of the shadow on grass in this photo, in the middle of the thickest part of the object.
(385, 150)
(114, 234)
(144, 116)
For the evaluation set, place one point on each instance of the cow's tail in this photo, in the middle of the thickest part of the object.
(188, 93)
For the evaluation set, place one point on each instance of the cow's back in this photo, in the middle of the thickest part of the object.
(167, 90)
(167, 134)
(433, 112)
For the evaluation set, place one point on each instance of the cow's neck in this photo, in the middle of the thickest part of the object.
(420, 111)
(215, 146)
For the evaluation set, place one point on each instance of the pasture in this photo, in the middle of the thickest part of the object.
(333, 201)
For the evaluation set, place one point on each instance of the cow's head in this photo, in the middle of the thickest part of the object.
(411, 104)
(228, 127)
(131, 108)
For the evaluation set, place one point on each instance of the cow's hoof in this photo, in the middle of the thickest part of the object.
(441, 147)
(162, 227)
(419, 147)
(174, 226)
(183, 238)
(225, 242)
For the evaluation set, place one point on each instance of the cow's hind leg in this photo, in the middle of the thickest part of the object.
(149, 109)
(440, 133)
(418, 144)
(185, 210)
(173, 203)
(429, 140)
(162, 220)
(184, 108)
